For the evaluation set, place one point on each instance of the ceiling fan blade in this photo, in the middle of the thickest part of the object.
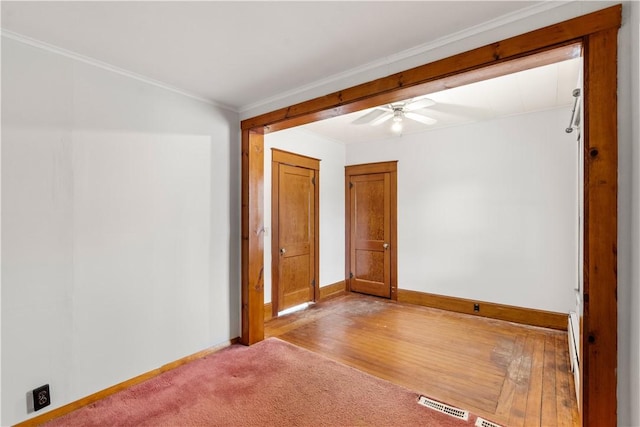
(420, 118)
(383, 118)
(420, 103)
(368, 117)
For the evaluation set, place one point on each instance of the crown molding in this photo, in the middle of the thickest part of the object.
(108, 67)
(414, 51)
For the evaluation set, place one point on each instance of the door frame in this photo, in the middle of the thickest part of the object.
(365, 169)
(280, 157)
(597, 34)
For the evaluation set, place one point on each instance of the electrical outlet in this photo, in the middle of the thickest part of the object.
(41, 397)
(476, 307)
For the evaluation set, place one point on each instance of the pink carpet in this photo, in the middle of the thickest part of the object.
(272, 383)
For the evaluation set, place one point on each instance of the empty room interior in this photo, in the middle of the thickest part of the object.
(488, 191)
(442, 195)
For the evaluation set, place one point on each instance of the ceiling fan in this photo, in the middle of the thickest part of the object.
(398, 111)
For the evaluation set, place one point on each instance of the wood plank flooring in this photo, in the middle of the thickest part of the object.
(511, 374)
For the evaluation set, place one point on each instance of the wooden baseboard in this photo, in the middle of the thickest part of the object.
(527, 316)
(70, 407)
(333, 290)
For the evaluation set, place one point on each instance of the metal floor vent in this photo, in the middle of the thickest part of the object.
(445, 409)
(481, 422)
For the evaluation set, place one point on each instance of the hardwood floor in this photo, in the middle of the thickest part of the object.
(511, 374)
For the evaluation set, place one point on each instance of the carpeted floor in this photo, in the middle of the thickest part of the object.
(272, 383)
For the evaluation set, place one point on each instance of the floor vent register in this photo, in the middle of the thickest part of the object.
(445, 409)
(481, 422)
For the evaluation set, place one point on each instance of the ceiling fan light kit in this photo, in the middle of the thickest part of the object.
(396, 127)
(398, 111)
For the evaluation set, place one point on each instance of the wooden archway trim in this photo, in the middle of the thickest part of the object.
(597, 34)
(441, 74)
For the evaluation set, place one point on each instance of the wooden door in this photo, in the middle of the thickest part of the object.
(294, 249)
(371, 225)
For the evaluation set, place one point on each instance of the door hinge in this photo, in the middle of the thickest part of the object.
(313, 180)
(313, 282)
(351, 185)
(350, 275)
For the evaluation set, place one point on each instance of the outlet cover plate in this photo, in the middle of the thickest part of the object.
(41, 397)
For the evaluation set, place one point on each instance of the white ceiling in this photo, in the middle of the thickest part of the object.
(537, 89)
(241, 54)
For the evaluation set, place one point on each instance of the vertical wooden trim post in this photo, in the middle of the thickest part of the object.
(252, 235)
(600, 320)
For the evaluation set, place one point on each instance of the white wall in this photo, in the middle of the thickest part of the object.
(332, 156)
(487, 211)
(634, 29)
(629, 217)
(120, 227)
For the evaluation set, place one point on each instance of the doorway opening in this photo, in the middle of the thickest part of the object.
(597, 33)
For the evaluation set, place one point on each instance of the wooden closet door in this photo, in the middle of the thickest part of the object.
(296, 218)
(370, 238)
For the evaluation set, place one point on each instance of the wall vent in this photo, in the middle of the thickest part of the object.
(481, 422)
(445, 409)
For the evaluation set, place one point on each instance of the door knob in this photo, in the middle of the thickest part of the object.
(282, 251)
(385, 245)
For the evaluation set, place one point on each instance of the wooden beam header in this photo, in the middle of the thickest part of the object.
(413, 82)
